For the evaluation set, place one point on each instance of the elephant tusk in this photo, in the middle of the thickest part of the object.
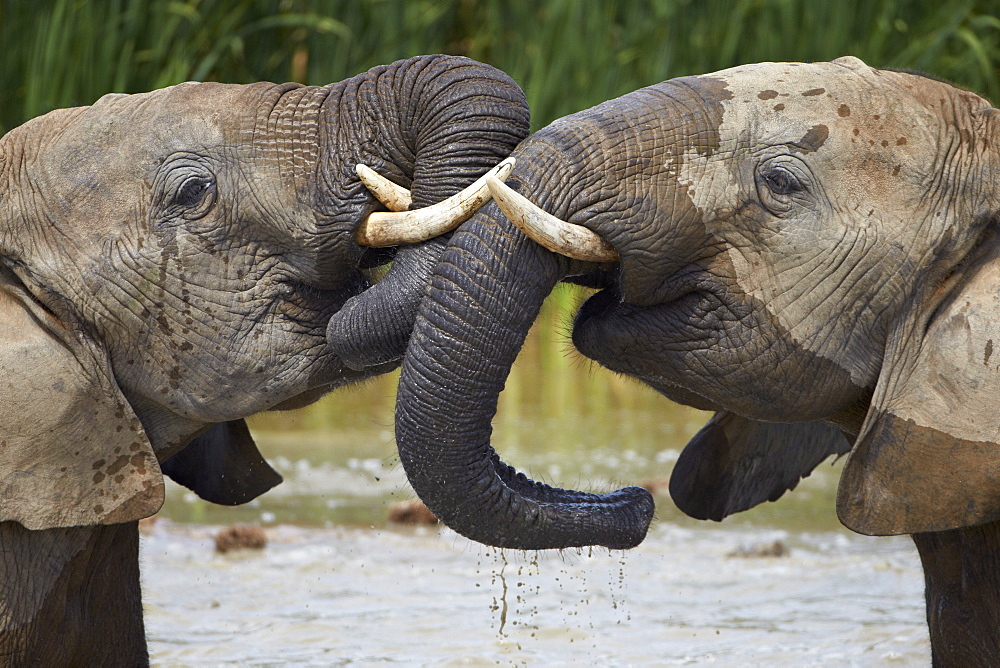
(409, 227)
(395, 197)
(573, 241)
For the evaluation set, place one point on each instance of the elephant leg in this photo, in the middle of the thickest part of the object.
(71, 596)
(962, 576)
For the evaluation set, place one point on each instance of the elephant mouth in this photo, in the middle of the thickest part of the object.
(681, 294)
(377, 260)
(307, 301)
(344, 376)
(614, 332)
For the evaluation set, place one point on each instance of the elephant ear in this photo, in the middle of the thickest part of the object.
(72, 451)
(928, 457)
(223, 465)
(733, 463)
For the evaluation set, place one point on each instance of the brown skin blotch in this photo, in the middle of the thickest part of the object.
(98, 477)
(885, 143)
(779, 107)
(813, 91)
(813, 139)
(900, 141)
(767, 94)
(139, 462)
(988, 352)
(856, 132)
(99, 509)
(876, 117)
(843, 111)
(98, 464)
(117, 465)
(895, 170)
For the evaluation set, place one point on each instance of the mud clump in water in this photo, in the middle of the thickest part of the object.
(760, 550)
(240, 537)
(146, 524)
(656, 486)
(411, 512)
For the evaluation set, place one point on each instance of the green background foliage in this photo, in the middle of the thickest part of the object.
(567, 54)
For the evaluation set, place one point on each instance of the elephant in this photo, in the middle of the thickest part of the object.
(170, 263)
(810, 250)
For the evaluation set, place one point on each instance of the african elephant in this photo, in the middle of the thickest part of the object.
(811, 250)
(170, 263)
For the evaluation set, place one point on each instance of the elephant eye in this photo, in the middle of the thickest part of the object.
(185, 189)
(780, 183)
(192, 191)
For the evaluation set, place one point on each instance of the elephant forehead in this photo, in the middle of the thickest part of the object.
(831, 115)
(95, 164)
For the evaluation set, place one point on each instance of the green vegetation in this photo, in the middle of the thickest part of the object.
(566, 54)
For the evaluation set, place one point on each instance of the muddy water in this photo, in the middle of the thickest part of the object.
(338, 585)
(351, 595)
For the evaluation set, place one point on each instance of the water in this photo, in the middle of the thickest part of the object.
(339, 585)
(427, 597)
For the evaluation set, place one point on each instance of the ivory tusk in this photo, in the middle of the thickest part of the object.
(558, 236)
(395, 197)
(409, 227)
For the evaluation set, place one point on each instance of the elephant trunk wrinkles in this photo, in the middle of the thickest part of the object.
(485, 293)
(448, 120)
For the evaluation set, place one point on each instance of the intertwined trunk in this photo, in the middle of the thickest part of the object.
(433, 124)
(485, 293)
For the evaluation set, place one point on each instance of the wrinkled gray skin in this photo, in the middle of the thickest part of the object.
(169, 264)
(809, 244)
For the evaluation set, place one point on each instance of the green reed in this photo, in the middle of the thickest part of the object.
(566, 54)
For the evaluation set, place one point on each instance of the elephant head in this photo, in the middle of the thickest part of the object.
(782, 243)
(170, 263)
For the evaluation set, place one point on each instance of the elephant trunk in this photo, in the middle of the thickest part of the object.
(485, 293)
(447, 121)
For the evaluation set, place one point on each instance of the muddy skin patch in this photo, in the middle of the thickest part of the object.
(814, 139)
(906, 478)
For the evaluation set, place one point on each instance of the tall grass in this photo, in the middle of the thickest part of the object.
(567, 54)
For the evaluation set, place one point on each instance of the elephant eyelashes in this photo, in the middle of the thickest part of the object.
(193, 198)
(781, 182)
(192, 191)
(187, 189)
(778, 185)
